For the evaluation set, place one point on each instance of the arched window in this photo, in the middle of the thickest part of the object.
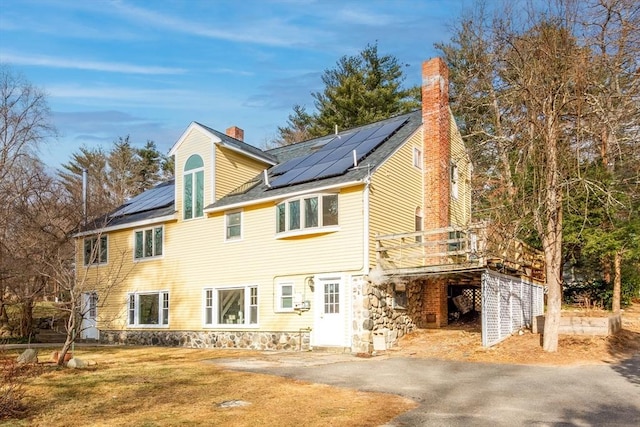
(193, 183)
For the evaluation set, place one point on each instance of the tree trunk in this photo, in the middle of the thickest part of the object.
(552, 241)
(71, 335)
(606, 269)
(553, 260)
(4, 317)
(617, 282)
(26, 318)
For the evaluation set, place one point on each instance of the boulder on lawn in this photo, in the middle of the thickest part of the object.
(30, 355)
(76, 363)
(56, 355)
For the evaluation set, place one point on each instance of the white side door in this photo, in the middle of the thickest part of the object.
(89, 331)
(330, 311)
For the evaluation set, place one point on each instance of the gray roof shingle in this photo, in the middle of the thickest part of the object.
(256, 190)
(367, 165)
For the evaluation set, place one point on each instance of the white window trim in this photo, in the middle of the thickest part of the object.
(193, 190)
(455, 177)
(306, 230)
(93, 264)
(153, 257)
(159, 325)
(418, 158)
(215, 307)
(279, 307)
(226, 225)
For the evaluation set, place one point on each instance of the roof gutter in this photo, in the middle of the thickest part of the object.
(282, 196)
(135, 224)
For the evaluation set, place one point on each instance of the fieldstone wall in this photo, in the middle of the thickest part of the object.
(376, 318)
(583, 325)
(254, 340)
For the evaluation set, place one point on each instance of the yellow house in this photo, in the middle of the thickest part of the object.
(280, 249)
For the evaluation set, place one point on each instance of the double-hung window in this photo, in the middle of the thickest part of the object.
(231, 306)
(454, 180)
(285, 297)
(148, 242)
(95, 250)
(233, 225)
(149, 309)
(193, 185)
(417, 158)
(307, 213)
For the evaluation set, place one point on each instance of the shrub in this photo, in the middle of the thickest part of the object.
(12, 379)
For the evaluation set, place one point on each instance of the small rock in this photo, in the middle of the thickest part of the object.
(76, 363)
(56, 355)
(30, 355)
(233, 403)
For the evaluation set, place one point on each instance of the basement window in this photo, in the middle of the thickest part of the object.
(400, 296)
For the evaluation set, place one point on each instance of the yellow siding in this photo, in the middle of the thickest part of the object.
(396, 192)
(460, 208)
(110, 278)
(196, 142)
(197, 257)
(233, 169)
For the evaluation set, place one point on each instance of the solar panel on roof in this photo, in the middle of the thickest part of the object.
(154, 198)
(340, 152)
(313, 159)
(286, 166)
(335, 157)
(365, 147)
(312, 172)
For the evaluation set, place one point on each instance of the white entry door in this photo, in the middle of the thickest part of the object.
(89, 331)
(329, 323)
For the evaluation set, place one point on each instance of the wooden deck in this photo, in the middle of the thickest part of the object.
(455, 249)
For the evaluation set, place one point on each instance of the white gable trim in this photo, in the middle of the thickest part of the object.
(184, 135)
(216, 140)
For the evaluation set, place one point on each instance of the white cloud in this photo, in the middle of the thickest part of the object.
(271, 32)
(358, 15)
(113, 67)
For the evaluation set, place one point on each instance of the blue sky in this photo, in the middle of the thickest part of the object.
(149, 68)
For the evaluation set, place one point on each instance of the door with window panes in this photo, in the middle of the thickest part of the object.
(89, 315)
(329, 322)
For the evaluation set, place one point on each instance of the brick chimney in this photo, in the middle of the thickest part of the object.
(436, 146)
(235, 132)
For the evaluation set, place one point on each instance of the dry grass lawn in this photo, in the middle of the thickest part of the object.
(173, 386)
(152, 386)
(465, 344)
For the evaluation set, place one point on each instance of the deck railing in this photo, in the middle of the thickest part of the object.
(457, 248)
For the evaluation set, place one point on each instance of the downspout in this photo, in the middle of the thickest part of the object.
(84, 196)
(365, 225)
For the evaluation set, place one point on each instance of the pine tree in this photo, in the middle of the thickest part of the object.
(360, 89)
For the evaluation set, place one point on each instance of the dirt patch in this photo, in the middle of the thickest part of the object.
(464, 343)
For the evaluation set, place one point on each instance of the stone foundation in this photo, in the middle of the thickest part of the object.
(254, 340)
(377, 318)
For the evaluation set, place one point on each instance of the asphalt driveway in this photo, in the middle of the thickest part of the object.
(475, 394)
